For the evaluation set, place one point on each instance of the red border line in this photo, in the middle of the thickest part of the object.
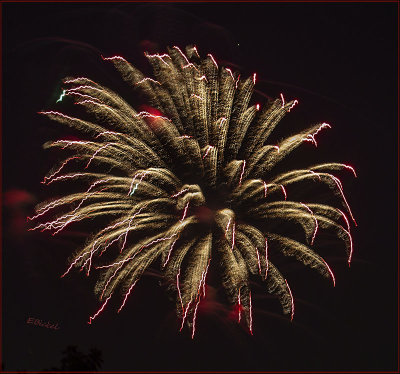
(203, 1)
(398, 187)
(1, 183)
(220, 1)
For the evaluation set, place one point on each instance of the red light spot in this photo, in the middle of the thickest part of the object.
(204, 214)
(153, 123)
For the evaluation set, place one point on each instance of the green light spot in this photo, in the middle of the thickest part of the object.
(61, 97)
(134, 189)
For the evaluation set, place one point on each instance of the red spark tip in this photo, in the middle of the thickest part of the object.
(283, 100)
(292, 301)
(351, 168)
(213, 60)
(293, 105)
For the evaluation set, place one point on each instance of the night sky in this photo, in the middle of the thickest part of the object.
(338, 59)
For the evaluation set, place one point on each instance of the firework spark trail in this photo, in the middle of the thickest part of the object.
(349, 235)
(292, 302)
(203, 77)
(99, 311)
(250, 315)
(314, 173)
(76, 260)
(194, 96)
(200, 285)
(82, 87)
(283, 190)
(145, 114)
(89, 259)
(169, 253)
(258, 261)
(194, 319)
(227, 227)
(239, 308)
(126, 295)
(283, 100)
(72, 142)
(132, 190)
(111, 227)
(339, 184)
(45, 209)
(79, 79)
(61, 96)
(350, 168)
(208, 150)
(59, 222)
(197, 53)
(131, 257)
(266, 258)
(160, 57)
(315, 220)
(126, 235)
(95, 103)
(148, 80)
(187, 93)
(58, 114)
(115, 225)
(179, 290)
(113, 58)
(330, 272)
(182, 54)
(282, 187)
(241, 175)
(221, 121)
(345, 219)
(108, 133)
(230, 72)
(265, 188)
(185, 212)
(351, 250)
(293, 105)
(237, 82)
(276, 147)
(109, 280)
(184, 316)
(88, 97)
(56, 224)
(180, 192)
(89, 189)
(311, 137)
(111, 243)
(92, 251)
(212, 59)
(233, 235)
(204, 278)
(190, 66)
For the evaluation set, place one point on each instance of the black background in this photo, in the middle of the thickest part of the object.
(338, 59)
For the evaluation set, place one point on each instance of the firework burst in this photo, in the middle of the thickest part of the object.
(189, 183)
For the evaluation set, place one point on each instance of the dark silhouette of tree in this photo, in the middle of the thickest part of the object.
(75, 360)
